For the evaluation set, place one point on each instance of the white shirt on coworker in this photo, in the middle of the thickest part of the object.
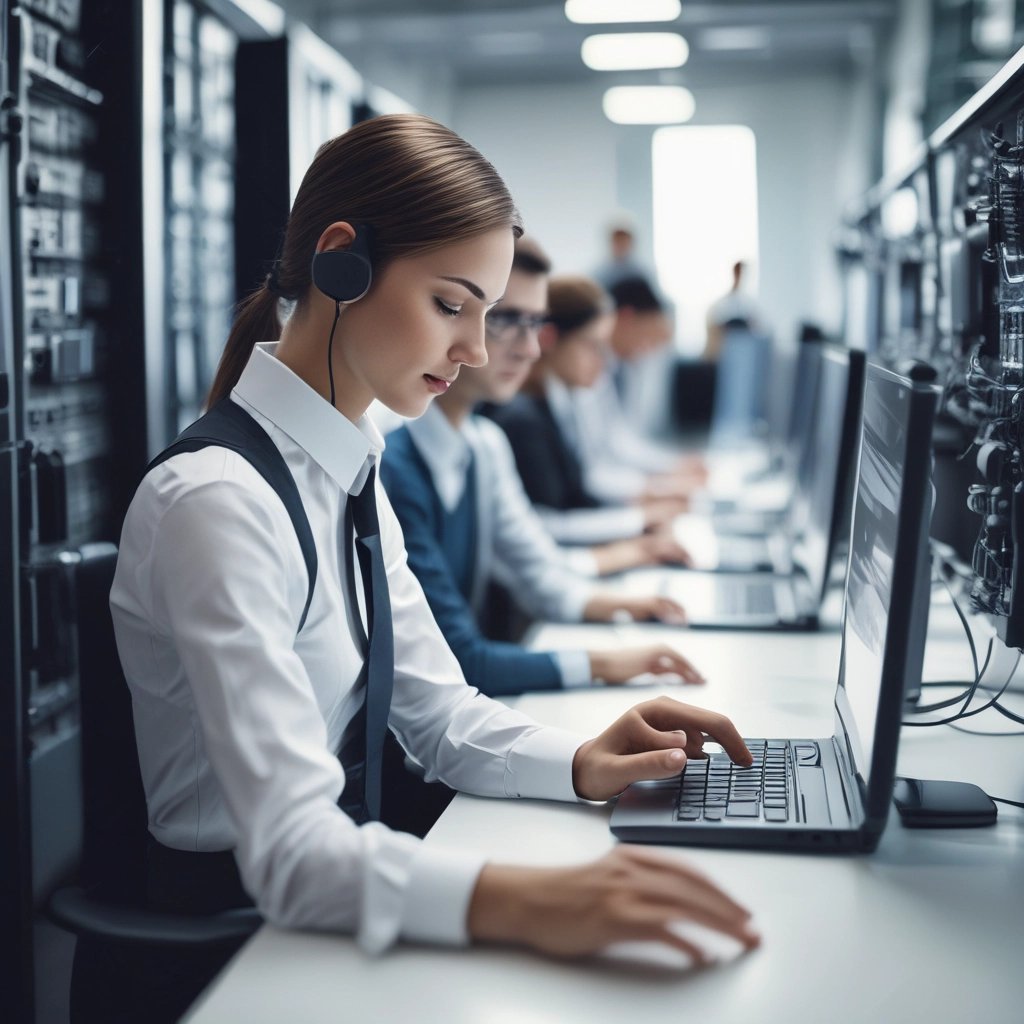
(583, 525)
(512, 545)
(617, 458)
(238, 719)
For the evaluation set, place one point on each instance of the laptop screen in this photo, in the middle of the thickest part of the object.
(872, 573)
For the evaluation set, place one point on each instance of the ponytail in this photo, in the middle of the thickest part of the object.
(255, 320)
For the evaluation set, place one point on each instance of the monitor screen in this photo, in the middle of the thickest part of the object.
(805, 387)
(814, 497)
(871, 575)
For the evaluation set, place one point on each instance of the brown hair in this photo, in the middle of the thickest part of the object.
(415, 181)
(529, 258)
(573, 301)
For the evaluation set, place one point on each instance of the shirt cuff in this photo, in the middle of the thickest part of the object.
(539, 765)
(441, 884)
(592, 525)
(573, 599)
(581, 561)
(574, 667)
(617, 483)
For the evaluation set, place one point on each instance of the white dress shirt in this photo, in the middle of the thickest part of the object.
(512, 545)
(583, 525)
(616, 457)
(238, 719)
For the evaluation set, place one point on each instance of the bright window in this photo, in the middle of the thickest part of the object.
(705, 219)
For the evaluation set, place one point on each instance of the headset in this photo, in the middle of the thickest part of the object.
(344, 275)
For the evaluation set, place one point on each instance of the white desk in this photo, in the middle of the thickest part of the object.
(928, 928)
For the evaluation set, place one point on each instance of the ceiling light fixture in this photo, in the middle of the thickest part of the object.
(610, 12)
(648, 104)
(634, 51)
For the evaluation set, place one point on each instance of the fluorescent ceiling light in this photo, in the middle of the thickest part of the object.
(648, 104)
(608, 12)
(634, 51)
(744, 37)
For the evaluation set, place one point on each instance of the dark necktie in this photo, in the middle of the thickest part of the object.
(619, 380)
(361, 753)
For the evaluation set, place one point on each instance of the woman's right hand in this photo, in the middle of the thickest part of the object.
(630, 894)
(619, 666)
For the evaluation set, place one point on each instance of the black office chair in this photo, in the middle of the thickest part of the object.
(106, 903)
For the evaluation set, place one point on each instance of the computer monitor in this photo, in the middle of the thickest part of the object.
(805, 387)
(825, 482)
(891, 513)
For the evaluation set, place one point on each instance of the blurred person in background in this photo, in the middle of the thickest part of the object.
(452, 480)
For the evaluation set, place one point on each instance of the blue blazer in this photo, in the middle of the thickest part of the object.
(495, 668)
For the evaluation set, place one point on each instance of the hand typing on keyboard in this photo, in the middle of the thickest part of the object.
(652, 740)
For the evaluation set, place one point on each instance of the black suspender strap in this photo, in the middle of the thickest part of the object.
(228, 425)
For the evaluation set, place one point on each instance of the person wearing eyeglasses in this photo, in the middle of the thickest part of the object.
(451, 479)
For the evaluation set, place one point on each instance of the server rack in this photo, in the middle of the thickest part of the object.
(294, 93)
(85, 356)
(74, 435)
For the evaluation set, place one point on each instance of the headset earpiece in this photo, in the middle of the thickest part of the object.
(345, 275)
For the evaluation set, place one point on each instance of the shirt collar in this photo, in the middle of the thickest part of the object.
(559, 397)
(560, 402)
(446, 451)
(345, 450)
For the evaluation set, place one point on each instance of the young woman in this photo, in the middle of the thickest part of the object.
(248, 706)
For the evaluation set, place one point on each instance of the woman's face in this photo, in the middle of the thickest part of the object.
(579, 356)
(422, 319)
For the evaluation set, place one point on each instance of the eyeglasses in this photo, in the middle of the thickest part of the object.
(504, 325)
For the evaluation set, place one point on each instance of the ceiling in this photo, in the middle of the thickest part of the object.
(492, 41)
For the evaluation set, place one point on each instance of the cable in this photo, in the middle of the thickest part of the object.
(964, 713)
(1003, 800)
(967, 630)
(330, 349)
(980, 732)
(967, 694)
(1005, 712)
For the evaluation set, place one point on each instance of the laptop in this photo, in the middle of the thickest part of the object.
(773, 600)
(718, 546)
(831, 793)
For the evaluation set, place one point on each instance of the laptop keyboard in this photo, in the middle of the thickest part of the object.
(716, 789)
(748, 599)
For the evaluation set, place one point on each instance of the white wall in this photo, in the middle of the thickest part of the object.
(569, 169)
(558, 154)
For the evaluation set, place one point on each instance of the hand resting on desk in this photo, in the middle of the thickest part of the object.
(613, 607)
(620, 666)
(630, 894)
